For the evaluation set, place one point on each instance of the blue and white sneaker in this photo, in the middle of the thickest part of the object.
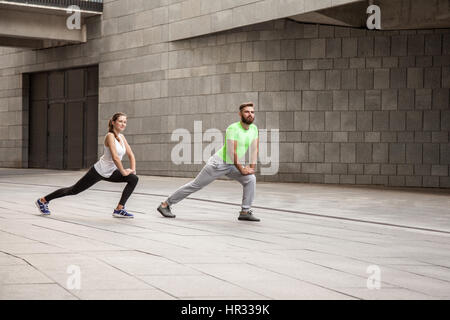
(122, 214)
(43, 207)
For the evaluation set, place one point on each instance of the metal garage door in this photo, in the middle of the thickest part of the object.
(63, 118)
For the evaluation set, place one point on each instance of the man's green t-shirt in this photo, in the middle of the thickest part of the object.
(243, 137)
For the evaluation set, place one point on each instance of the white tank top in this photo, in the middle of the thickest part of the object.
(105, 166)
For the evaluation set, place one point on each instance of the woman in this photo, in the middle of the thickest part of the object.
(108, 168)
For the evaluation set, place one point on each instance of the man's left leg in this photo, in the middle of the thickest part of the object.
(249, 187)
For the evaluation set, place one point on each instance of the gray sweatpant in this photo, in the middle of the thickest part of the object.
(215, 168)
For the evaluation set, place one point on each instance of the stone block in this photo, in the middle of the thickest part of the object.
(380, 180)
(423, 99)
(445, 120)
(415, 78)
(399, 45)
(397, 120)
(405, 170)
(406, 99)
(432, 78)
(356, 136)
(340, 100)
(274, 50)
(398, 78)
(446, 77)
(324, 100)
(441, 98)
(348, 79)
(445, 153)
(339, 168)
(259, 81)
(430, 153)
(317, 80)
(333, 79)
(318, 48)
(365, 46)
(432, 120)
(288, 49)
(396, 181)
(389, 98)
(363, 153)
(365, 79)
(382, 46)
(332, 152)
(356, 99)
(380, 153)
(348, 152)
(405, 137)
(301, 152)
(316, 121)
(364, 121)
(347, 179)
(431, 181)
(381, 78)
(303, 49)
(301, 122)
(439, 170)
(355, 168)
(397, 152)
(349, 47)
(416, 45)
(372, 137)
(388, 169)
(309, 100)
(333, 48)
(332, 121)
(414, 120)
(340, 137)
(433, 45)
(302, 80)
(348, 121)
(373, 99)
(316, 152)
(411, 181)
(371, 169)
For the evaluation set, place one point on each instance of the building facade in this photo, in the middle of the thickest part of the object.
(352, 105)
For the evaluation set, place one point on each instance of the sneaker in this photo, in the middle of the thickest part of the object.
(122, 213)
(166, 212)
(43, 207)
(248, 216)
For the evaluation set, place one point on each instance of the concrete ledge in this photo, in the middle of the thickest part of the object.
(30, 28)
(191, 18)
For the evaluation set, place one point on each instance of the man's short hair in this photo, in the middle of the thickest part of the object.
(246, 104)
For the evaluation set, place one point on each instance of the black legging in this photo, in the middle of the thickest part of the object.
(91, 178)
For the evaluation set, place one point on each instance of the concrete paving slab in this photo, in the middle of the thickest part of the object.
(35, 292)
(313, 242)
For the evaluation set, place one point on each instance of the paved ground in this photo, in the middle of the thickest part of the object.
(327, 243)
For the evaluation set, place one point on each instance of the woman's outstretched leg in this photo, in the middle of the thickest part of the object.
(87, 181)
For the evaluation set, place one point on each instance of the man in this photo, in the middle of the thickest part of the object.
(240, 137)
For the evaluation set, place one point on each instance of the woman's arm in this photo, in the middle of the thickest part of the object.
(130, 155)
(109, 142)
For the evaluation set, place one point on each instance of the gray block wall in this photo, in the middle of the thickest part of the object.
(353, 106)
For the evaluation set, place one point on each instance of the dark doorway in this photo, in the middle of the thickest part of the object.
(63, 118)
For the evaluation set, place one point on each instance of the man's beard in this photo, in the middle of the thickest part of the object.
(247, 121)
